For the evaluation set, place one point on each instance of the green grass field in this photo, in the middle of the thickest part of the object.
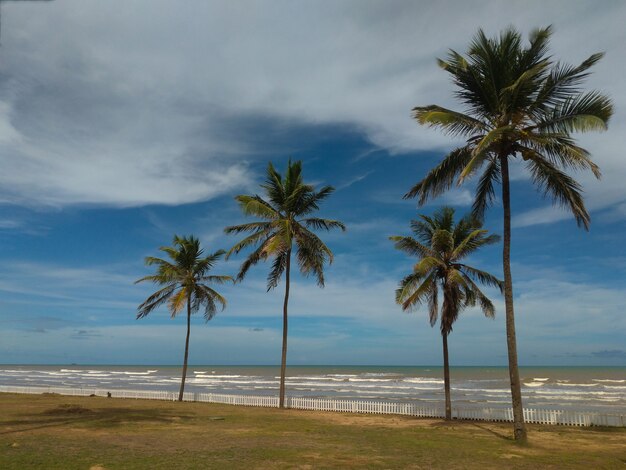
(56, 432)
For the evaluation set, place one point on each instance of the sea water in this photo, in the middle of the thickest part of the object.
(576, 388)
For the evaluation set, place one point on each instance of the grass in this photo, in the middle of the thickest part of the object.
(57, 432)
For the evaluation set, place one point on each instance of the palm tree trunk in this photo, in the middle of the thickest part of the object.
(283, 362)
(519, 429)
(446, 376)
(182, 382)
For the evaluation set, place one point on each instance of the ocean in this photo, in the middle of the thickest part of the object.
(576, 388)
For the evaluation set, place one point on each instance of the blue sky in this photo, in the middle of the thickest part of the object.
(123, 123)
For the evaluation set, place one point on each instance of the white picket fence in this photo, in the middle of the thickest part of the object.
(538, 416)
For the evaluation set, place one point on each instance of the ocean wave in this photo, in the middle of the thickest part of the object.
(609, 380)
(541, 379)
(370, 380)
(420, 380)
(572, 394)
(225, 376)
(534, 384)
(380, 374)
(322, 378)
(576, 385)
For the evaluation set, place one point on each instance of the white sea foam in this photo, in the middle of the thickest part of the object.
(577, 385)
(605, 392)
(533, 384)
(322, 378)
(219, 376)
(420, 380)
(370, 380)
(482, 390)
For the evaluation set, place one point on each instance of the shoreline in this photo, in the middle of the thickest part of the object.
(588, 389)
(531, 415)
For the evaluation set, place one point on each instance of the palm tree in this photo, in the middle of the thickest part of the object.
(185, 282)
(285, 227)
(519, 103)
(441, 247)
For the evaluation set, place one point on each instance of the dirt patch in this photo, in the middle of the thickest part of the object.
(68, 409)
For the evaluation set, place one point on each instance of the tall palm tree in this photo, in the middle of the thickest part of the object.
(519, 103)
(441, 247)
(285, 228)
(185, 279)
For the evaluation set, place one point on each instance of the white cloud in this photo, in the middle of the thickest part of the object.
(142, 103)
(353, 320)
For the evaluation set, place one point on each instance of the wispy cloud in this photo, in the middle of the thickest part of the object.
(182, 134)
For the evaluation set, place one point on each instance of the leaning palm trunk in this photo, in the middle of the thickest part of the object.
(519, 429)
(283, 361)
(446, 376)
(521, 104)
(182, 381)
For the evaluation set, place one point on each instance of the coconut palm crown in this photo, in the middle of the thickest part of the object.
(285, 227)
(519, 105)
(441, 247)
(185, 279)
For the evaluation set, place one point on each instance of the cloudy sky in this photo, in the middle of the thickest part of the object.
(125, 122)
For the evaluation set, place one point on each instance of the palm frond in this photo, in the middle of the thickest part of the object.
(255, 238)
(181, 277)
(481, 276)
(325, 224)
(442, 242)
(586, 112)
(217, 279)
(472, 242)
(563, 82)
(177, 301)
(291, 200)
(560, 150)
(278, 267)
(482, 151)
(561, 188)
(441, 178)
(485, 304)
(249, 227)
(411, 292)
(411, 246)
(451, 122)
(155, 300)
(256, 206)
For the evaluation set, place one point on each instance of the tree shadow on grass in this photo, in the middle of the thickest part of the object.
(483, 427)
(503, 436)
(72, 414)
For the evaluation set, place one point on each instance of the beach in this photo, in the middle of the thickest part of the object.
(601, 389)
